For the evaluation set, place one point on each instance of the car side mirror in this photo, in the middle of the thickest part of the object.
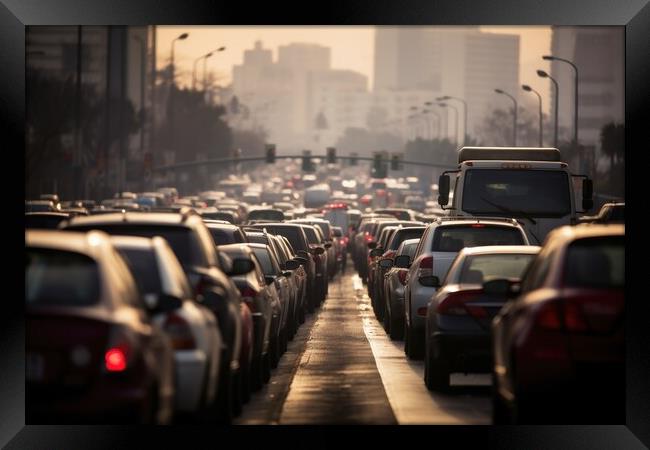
(302, 260)
(430, 281)
(371, 245)
(403, 261)
(241, 266)
(318, 250)
(375, 252)
(286, 273)
(291, 264)
(328, 244)
(443, 190)
(269, 279)
(386, 263)
(303, 254)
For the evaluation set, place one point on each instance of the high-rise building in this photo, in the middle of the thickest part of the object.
(598, 52)
(461, 62)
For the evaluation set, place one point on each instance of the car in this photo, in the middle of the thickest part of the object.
(319, 255)
(296, 282)
(341, 246)
(41, 206)
(327, 241)
(439, 245)
(264, 304)
(398, 213)
(224, 234)
(206, 268)
(45, 220)
(458, 331)
(297, 237)
(93, 353)
(394, 282)
(270, 214)
(192, 328)
(560, 339)
(609, 213)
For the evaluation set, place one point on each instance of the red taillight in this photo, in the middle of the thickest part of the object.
(556, 314)
(368, 237)
(179, 332)
(574, 319)
(426, 263)
(402, 276)
(478, 225)
(115, 360)
(455, 304)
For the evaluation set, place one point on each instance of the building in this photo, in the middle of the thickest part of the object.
(598, 52)
(456, 61)
(104, 71)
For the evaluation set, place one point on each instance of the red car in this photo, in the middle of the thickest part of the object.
(559, 346)
(93, 353)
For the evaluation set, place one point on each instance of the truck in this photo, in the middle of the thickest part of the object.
(317, 195)
(530, 184)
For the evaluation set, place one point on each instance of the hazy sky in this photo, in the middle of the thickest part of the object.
(352, 48)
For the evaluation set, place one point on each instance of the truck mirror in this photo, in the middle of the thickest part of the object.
(443, 190)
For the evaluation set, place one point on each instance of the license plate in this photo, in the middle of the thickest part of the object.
(35, 367)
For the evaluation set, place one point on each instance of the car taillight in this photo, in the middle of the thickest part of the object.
(455, 304)
(401, 275)
(179, 332)
(425, 268)
(556, 315)
(367, 237)
(115, 359)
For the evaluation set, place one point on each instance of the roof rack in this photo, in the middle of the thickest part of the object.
(477, 218)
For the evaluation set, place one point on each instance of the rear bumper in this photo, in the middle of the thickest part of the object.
(191, 370)
(465, 352)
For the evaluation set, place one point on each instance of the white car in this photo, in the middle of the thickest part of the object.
(193, 329)
(439, 245)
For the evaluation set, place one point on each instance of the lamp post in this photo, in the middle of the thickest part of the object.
(514, 120)
(449, 97)
(446, 126)
(447, 105)
(543, 74)
(527, 88)
(172, 93)
(194, 68)
(575, 101)
(143, 61)
(205, 61)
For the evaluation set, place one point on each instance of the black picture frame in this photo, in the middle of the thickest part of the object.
(16, 14)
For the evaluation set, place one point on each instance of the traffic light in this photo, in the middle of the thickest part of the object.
(270, 153)
(353, 159)
(395, 162)
(307, 164)
(331, 155)
(378, 167)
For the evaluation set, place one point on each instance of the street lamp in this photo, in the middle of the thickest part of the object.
(179, 38)
(194, 68)
(575, 99)
(543, 74)
(447, 105)
(527, 88)
(205, 61)
(514, 123)
(449, 97)
(172, 94)
(143, 61)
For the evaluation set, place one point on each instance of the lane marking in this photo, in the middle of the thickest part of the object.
(411, 401)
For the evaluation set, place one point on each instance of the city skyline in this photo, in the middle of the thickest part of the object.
(352, 48)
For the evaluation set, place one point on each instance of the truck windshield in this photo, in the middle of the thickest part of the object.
(537, 193)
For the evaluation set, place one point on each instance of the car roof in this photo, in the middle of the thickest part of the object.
(240, 248)
(587, 230)
(135, 218)
(48, 214)
(501, 249)
(220, 225)
(447, 221)
(138, 242)
(90, 244)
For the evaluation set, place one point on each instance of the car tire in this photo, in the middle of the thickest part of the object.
(415, 350)
(386, 319)
(437, 377)
(396, 328)
(222, 408)
(501, 414)
(257, 374)
(237, 402)
(246, 383)
(266, 368)
(301, 315)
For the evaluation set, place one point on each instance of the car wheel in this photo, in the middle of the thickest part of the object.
(301, 315)
(237, 394)
(275, 352)
(257, 374)
(500, 412)
(266, 368)
(396, 327)
(438, 373)
(415, 350)
(386, 318)
(222, 407)
(406, 340)
(246, 383)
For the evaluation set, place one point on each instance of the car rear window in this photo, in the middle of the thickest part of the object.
(481, 268)
(265, 260)
(226, 236)
(43, 222)
(294, 234)
(312, 237)
(404, 235)
(456, 237)
(60, 278)
(144, 267)
(596, 263)
(180, 239)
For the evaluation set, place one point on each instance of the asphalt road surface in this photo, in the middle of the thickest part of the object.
(342, 368)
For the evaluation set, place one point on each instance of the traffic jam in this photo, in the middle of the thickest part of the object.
(331, 296)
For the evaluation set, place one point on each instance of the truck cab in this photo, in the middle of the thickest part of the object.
(529, 184)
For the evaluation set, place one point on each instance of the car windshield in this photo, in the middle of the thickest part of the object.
(481, 268)
(456, 237)
(516, 193)
(596, 263)
(293, 234)
(60, 278)
(312, 237)
(266, 214)
(225, 236)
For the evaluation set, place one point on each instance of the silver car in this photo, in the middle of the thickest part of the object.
(394, 290)
(439, 245)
